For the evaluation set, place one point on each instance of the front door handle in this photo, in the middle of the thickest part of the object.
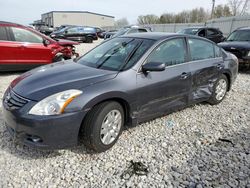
(184, 75)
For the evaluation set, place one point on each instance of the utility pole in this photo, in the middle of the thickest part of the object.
(212, 13)
(245, 7)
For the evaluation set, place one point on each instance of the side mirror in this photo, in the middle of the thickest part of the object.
(46, 42)
(66, 32)
(153, 66)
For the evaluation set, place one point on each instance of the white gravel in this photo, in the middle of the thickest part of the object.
(182, 149)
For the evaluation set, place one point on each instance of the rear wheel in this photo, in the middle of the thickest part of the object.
(219, 90)
(103, 126)
(89, 40)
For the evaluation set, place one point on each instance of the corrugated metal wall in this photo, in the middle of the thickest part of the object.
(226, 25)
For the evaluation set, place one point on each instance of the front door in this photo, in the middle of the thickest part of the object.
(29, 48)
(162, 92)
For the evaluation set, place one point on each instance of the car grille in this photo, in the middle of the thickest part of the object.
(13, 101)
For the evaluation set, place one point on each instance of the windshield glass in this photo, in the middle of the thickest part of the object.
(241, 35)
(116, 54)
(121, 32)
(190, 31)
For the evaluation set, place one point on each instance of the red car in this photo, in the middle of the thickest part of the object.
(23, 48)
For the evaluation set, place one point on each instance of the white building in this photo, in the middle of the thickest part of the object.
(82, 18)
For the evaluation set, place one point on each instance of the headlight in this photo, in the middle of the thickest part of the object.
(248, 53)
(55, 104)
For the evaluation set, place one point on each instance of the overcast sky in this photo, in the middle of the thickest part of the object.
(26, 11)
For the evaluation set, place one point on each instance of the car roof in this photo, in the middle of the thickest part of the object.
(243, 28)
(202, 27)
(152, 35)
(10, 23)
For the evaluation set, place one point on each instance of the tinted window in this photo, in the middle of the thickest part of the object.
(200, 49)
(171, 52)
(73, 30)
(142, 30)
(217, 51)
(114, 54)
(3, 33)
(202, 33)
(23, 35)
(211, 32)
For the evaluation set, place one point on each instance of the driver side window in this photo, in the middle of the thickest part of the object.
(171, 52)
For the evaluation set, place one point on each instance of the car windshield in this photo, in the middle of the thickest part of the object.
(116, 54)
(121, 32)
(189, 31)
(241, 35)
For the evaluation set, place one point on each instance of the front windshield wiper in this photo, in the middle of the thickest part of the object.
(114, 51)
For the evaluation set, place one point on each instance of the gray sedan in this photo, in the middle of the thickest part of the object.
(124, 81)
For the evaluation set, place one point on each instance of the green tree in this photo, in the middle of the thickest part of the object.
(148, 19)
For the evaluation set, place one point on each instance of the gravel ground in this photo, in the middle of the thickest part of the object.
(201, 146)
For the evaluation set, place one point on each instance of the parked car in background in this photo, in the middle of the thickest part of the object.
(130, 30)
(109, 34)
(100, 32)
(238, 43)
(124, 81)
(45, 30)
(79, 34)
(23, 48)
(213, 34)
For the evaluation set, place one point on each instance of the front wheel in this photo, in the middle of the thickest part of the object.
(219, 90)
(103, 126)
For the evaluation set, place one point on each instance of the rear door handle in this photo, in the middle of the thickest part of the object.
(184, 75)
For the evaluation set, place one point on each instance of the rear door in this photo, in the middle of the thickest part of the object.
(7, 47)
(29, 47)
(161, 92)
(206, 64)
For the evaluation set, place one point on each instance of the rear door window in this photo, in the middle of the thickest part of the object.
(200, 49)
(3, 34)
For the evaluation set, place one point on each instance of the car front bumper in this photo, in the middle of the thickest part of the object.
(44, 132)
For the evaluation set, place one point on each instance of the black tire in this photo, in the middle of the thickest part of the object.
(58, 58)
(92, 125)
(89, 40)
(213, 100)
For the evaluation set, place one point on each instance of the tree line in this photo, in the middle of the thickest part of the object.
(197, 15)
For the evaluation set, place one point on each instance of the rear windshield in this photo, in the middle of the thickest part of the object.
(116, 54)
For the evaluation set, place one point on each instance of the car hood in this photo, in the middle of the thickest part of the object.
(63, 42)
(50, 79)
(235, 44)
